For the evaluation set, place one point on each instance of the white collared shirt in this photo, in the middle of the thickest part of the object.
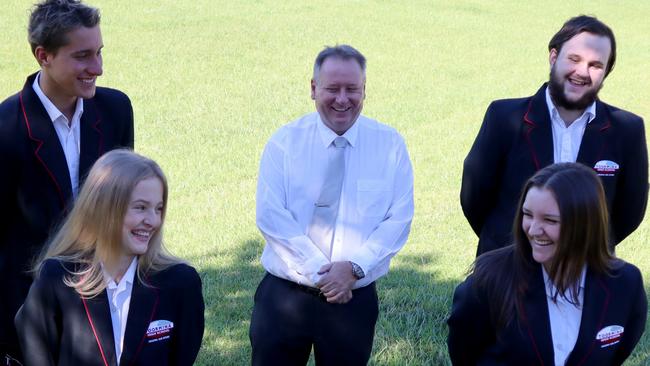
(567, 140)
(565, 318)
(119, 300)
(67, 131)
(376, 204)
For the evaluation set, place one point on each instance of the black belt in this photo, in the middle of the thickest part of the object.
(310, 290)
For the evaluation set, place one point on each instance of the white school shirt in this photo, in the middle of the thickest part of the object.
(565, 318)
(567, 140)
(68, 132)
(376, 204)
(119, 300)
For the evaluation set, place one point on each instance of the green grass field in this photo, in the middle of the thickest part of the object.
(211, 80)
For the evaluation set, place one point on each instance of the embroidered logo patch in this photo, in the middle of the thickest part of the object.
(606, 168)
(159, 330)
(610, 335)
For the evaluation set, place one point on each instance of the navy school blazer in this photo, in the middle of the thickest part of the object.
(610, 302)
(516, 140)
(164, 326)
(35, 189)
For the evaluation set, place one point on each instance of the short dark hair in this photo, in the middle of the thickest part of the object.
(585, 23)
(51, 20)
(342, 51)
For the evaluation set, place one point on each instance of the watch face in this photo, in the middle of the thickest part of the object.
(357, 271)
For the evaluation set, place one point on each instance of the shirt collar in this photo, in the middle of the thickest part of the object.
(555, 115)
(327, 135)
(550, 286)
(128, 277)
(50, 108)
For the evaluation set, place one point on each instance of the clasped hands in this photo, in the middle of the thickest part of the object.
(336, 282)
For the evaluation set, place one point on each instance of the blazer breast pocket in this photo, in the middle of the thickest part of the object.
(373, 197)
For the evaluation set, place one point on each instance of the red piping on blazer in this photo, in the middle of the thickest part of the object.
(530, 130)
(40, 144)
(92, 326)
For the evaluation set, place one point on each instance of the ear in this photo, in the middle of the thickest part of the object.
(552, 56)
(313, 89)
(42, 56)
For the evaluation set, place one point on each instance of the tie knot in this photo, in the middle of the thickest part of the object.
(340, 142)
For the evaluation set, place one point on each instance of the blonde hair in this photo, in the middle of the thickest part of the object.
(92, 233)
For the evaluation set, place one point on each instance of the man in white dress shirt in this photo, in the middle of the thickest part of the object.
(335, 204)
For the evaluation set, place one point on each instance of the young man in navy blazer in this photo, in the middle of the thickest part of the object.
(563, 122)
(51, 132)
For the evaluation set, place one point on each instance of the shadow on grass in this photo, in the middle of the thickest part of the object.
(411, 328)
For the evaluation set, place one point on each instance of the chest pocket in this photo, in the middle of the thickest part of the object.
(373, 197)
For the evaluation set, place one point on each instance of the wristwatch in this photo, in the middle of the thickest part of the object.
(357, 271)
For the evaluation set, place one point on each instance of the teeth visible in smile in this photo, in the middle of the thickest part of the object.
(87, 81)
(340, 110)
(543, 242)
(141, 233)
(577, 82)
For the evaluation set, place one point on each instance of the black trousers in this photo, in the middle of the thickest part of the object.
(288, 319)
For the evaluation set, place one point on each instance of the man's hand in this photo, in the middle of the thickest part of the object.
(337, 281)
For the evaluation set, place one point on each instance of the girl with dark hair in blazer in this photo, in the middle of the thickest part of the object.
(106, 291)
(557, 296)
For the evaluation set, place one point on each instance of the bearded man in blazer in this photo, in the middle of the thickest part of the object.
(563, 122)
(51, 132)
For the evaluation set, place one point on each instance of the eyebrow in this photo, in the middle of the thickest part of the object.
(87, 50)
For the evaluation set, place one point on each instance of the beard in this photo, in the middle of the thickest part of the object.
(556, 89)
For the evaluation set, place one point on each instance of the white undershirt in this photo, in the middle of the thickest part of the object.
(68, 132)
(119, 299)
(565, 318)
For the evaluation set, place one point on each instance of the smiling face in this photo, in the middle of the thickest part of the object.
(71, 71)
(541, 223)
(339, 92)
(578, 70)
(143, 217)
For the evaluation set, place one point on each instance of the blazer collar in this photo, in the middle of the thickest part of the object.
(45, 143)
(142, 310)
(539, 134)
(47, 147)
(536, 318)
(594, 308)
(91, 138)
(595, 137)
(98, 313)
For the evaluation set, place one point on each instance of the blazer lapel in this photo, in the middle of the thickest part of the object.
(538, 132)
(144, 303)
(536, 318)
(91, 138)
(595, 306)
(594, 140)
(98, 314)
(45, 142)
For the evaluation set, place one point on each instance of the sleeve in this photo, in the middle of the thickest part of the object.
(632, 191)
(482, 172)
(38, 320)
(190, 324)
(8, 183)
(470, 330)
(276, 223)
(635, 325)
(391, 234)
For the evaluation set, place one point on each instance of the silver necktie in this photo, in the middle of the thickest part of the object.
(321, 229)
